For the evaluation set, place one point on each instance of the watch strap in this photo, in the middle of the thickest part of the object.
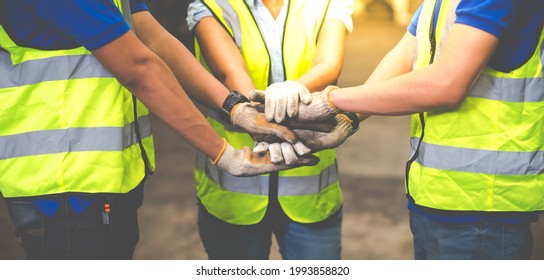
(232, 99)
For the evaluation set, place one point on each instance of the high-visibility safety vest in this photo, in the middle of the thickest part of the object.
(487, 154)
(306, 194)
(67, 125)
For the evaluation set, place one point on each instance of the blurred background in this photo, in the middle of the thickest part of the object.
(371, 162)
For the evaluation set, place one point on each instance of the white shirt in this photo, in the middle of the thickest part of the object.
(272, 29)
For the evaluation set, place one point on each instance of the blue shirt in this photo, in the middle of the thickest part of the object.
(64, 24)
(518, 26)
(516, 23)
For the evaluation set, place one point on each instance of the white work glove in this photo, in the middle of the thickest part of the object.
(319, 108)
(245, 162)
(282, 100)
(282, 151)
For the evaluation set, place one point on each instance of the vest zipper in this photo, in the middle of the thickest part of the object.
(432, 41)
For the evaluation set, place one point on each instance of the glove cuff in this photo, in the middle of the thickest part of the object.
(326, 92)
(214, 162)
(354, 120)
(232, 99)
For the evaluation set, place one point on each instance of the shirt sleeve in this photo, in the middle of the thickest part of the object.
(195, 13)
(138, 6)
(91, 23)
(341, 10)
(412, 27)
(492, 16)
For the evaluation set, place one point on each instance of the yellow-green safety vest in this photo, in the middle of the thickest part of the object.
(306, 194)
(67, 125)
(487, 154)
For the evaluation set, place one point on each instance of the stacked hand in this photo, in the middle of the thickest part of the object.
(315, 122)
(246, 162)
(315, 108)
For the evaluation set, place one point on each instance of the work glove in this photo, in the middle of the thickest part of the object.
(314, 137)
(280, 151)
(246, 116)
(343, 126)
(319, 108)
(245, 162)
(282, 100)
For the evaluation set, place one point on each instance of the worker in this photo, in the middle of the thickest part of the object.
(470, 72)
(75, 135)
(292, 46)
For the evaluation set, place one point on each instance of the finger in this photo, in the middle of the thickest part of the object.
(260, 147)
(276, 155)
(280, 104)
(269, 107)
(321, 126)
(257, 95)
(275, 129)
(301, 149)
(292, 104)
(259, 107)
(288, 153)
(305, 97)
(307, 160)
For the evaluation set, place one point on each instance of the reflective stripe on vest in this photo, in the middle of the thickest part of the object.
(488, 153)
(66, 125)
(307, 194)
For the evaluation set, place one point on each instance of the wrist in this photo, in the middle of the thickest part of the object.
(232, 99)
(221, 152)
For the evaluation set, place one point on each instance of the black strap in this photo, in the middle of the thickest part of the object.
(432, 41)
(139, 137)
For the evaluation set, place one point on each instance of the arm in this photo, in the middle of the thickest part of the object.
(143, 73)
(329, 57)
(442, 84)
(190, 74)
(223, 56)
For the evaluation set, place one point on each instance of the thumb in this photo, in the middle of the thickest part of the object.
(305, 96)
(306, 160)
(257, 95)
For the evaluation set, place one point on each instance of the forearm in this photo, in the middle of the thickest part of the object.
(194, 78)
(146, 76)
(329, 57)
(320, 76)
(222, 56)
(167, 100)
(418, 91)
(440, 85)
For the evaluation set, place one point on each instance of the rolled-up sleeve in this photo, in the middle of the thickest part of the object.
(341, 10)
(195, 13)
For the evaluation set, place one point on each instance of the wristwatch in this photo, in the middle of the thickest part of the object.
(232, 99)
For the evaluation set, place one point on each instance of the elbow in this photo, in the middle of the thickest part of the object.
(138, 72)
(451, 95)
